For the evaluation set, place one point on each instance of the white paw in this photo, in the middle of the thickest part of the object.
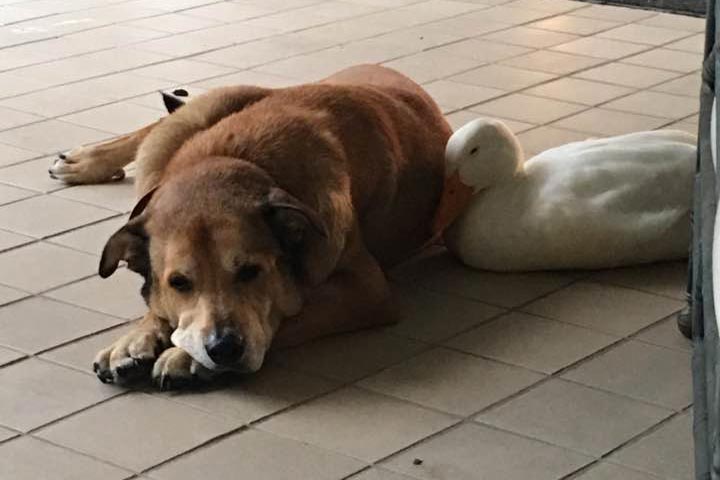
(81, 165)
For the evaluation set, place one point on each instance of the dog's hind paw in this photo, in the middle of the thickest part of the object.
(176, 369)
(82, 165)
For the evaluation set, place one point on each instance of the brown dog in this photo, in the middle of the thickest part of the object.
(267, 215)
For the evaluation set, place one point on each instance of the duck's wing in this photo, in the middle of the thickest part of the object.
(629, 187)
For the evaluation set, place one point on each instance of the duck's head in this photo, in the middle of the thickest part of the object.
(480, 154)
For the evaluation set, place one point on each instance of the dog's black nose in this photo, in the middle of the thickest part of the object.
(225, 349)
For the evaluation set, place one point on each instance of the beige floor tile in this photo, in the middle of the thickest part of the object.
(52, 102)
(430, 317)
(10, 155)
(19, 461)
(678, 22)
(460, 118)
(673, 60)
(183, 71)
(532, 342)
(310, 67)
(600, 48)
(609, 122)
(32, 175)
(441, 273)
(35, 392)
(358, 423)
(576, 417)
(638, 33)
(579, 91)
(51, 136)
(379, 474)
(604, 308)
(264, 456)
(189, 43)
(628, 75)
(45, 215)
(460, 95)
(261, 52)
(451, 381)
(228, 12)
(694, 44)
(552, 62)
(348, 357)
(431, 65)
(8, 295)
(666, 334)
(644, 372)
(27, 267)
(543, 138)
(500, 76)
(258, 395)
(7, 356)
(555, 7)
(688, 85)
(614, 14)
(656, 104)
(574, 25)
(666, 452)
(118, 118)
(10, 240)
(247, 77)
(7, 434)
(12, 84)
(668, 278)
(9, 194)
(527, 108)
(111, 431)
(121, 86)
(482, 51)
(468, 26)
(513, 16)
(690, 127)
(13, 116)
(38, 324)
(117, 196)
(530, 37)
(466, 450)
(118, 296)
(81, 353)
(173, 23)
(608, 471)
(90, 239)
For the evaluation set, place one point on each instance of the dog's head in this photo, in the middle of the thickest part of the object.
(222, 251)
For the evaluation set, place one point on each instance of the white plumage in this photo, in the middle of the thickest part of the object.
(598, 203)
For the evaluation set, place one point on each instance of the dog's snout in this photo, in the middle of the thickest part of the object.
(226, 348)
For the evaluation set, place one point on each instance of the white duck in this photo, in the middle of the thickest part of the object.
(598, 203)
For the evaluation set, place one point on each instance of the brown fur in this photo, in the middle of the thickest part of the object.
(322, 186)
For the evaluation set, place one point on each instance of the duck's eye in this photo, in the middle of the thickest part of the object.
(247, 273)
(180, 283)
(474, 151)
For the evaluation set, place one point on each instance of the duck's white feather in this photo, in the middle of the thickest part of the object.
(594, 204)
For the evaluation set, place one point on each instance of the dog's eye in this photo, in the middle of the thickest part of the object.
(180, 283)
(247, 273)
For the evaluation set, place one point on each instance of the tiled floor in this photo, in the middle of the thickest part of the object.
(540, 376)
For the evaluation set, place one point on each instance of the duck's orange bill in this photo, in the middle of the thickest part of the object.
(455, 198)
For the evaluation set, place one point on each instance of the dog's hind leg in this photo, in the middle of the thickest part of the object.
(99, 163)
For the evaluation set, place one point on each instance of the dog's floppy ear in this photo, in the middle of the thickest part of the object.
(291, 220)
(129, 243)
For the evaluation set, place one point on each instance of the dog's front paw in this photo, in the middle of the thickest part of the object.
(130, 358)
(176, 369)
(85, 165)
